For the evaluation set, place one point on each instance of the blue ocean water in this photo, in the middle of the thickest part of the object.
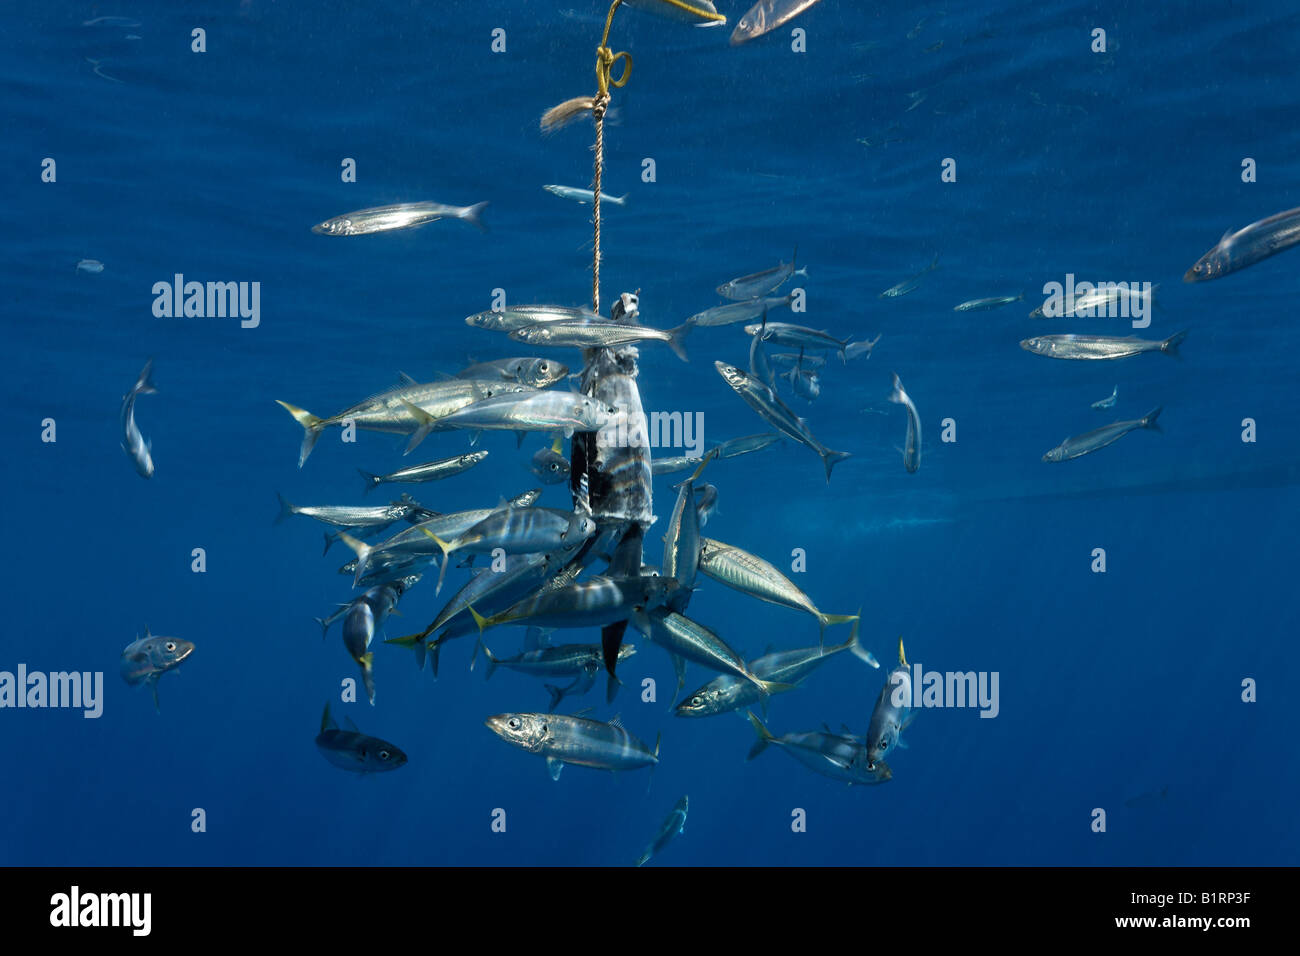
(1115, 687)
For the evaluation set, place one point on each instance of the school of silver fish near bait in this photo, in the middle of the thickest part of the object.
(584, 567)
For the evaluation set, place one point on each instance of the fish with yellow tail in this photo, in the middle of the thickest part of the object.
(892, 713)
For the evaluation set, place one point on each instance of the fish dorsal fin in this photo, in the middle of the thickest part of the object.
(768, 650)
(827, 727)
(901, 658)
(557, 445)
(534, 639)
(617, 721)
(404, 379)
(347, 722)
(582, 713)
(326, 721)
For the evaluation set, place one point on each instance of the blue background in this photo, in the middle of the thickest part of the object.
(1119, 166)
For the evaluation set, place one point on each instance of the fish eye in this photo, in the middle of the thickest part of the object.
(382, 755)
(543, 366)
(697, 701)
(884, 744)
(513, 723)
(170, 645)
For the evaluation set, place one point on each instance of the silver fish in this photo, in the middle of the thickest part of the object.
(521, 316)
(763, 400)
(354, 751)
(765, 16)
(133, 442)
(759, 367)
(595, 602)
(747, 444)
(1086, 347)
(592, 335)
(533, 372)
(394, 411)
(574, 740)
(565, 412)
(838, 756)
(761, 283)
(90, 266)
(692, 641)
(735, 312)
(366, 616)
(1088, 442)
(727, 693)
(1109, 401)
(801, 337)
(550, 465)
(344, 516)
(892, 713)
(992, 302)
(807, 385)
(682, 541)
(147, 658)
(584, 195)
(400, 216)
(673, 824)
(1245, 247)
(518, 531)
(706, 503)
(912, 451)
(791, 359)
(429, 471)
(668, 466)
(907, 285)
(750, 574)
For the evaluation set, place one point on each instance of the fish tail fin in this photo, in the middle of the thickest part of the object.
(621, 200)
(435, 652)
(286, 509)
(764, 736)
(855, 646)
(144, 384)
(153, 686)
(612, 684)
(1171, 344)
(363, 555)
(853, 349)
(366, 661)
(643, 858)
(311, 428)
(483, 624)
(492, 660)
(768, 687)
(557, 695)
(902, 658)
(832, 458)
(896, 392)
(371, 481)
(1149, 419)
(426, 423)
(324, 626)
(676, 336)
(421, 652)
(474, 216)
(329, 542)
(827, 620)
(447, 549)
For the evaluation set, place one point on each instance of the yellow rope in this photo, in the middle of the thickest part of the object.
(605, 60)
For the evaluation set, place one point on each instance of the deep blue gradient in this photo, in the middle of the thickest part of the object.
(1116, 166)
